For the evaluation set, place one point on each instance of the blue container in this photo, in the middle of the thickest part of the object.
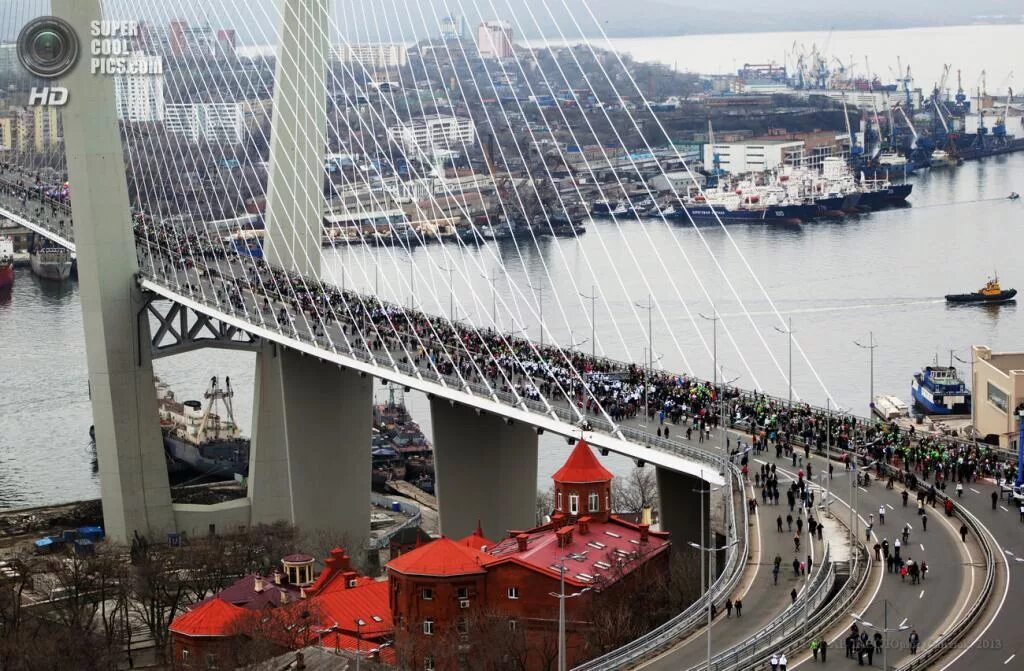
(92, 533)
(44, 545)
(396, 507)
(69, 535)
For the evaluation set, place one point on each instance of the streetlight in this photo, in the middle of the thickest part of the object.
(412, 279)
(593, 321)
(451, 289)
(885, 630)
(721, 407)
(562, 596)
(701, 548)
(493, 278)
(709, 492)
(647, 408)
(789, 331)
(714, 344)
(650, 337)
(359, 653)
(871, 348)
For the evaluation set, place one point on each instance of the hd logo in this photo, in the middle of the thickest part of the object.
(48, 48)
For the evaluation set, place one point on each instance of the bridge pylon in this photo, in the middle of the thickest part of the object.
(133, 471)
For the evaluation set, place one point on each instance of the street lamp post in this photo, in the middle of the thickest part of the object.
(649, 360)
(714, 344)
(871, 349)
(789, 332)
(562, 596)
(703, 586)
(593, 319)
(451, 289)
(359, 640)
(885, 630)
(721, 407)
(703, 549)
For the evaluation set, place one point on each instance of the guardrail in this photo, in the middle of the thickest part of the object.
(695, 615)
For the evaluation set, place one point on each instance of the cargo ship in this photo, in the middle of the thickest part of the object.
(399, 449)
(205, 440)
(938, 390)
(6, 263)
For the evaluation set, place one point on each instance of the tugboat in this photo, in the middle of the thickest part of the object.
(990, 293)
(940, 391)
(204, 440)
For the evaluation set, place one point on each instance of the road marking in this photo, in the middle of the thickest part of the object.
(1009, 659)
(1004, 508)
(921, 595)
(922, 547)
(890, 506)
(904, 622)
(861, 488)
(1008, 552)
(974, 490)
(1019, 558)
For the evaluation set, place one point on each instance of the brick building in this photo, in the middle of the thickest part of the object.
(293, 608)
(453, 601)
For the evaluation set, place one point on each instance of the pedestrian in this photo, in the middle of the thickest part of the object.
(810, 563)
(881, 515)
(778, 523)
(775, 574)
(914, 640)
(924, 523)
(878, 551)
(823, 648)
(774, 662)
(792, 594)
(796, 543)
(814, 649)
(849, 646)
(906, 496)
(820, 531)
(867, 533)
(995, 499)
(959, 489)
(903, 572)
(789, 520)
(1022, 512)
(739, 607)
(796, 567)
(924, 569)
(728, 608)
(963, 533)
(783, 662)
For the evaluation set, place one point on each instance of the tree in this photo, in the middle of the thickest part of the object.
(636, 491)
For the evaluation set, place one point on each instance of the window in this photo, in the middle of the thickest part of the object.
(463, 625)
(513, 625)
(428, 627)
(998, 398)
(427, 594)
(211, 660)
(574, 504)
(559, 506)
(463, 592)
(184, 656)
(594, 502)
(428, 664)
(513, 592)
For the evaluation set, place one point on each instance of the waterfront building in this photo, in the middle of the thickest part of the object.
(427, 135)
(997, 382)
(754, 155)
(372, 56)
(449, 595)
(291, 609)
(494, 39)
(140, 97)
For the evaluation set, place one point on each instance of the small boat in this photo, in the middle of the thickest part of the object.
(990, 293)
(1013, 195)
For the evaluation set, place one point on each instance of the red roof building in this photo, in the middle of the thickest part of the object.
(446, 592)
(288, 610)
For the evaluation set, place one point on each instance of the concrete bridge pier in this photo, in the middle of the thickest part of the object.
(133, 472)
(485, 469)
(680, 507)
(310, 457)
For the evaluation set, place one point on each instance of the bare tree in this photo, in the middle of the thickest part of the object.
(636, 491)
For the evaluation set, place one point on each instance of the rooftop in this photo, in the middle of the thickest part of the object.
(582, 466)
(440, 558)
(211, 618)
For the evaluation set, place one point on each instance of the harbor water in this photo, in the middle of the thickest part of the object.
(883, 273)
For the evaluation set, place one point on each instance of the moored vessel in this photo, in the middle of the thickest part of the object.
(6, 263)
(206, 440)
(51, 263)
(938, 390)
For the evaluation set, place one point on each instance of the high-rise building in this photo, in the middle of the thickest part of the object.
(221, 122)
(428, 135)
(187, 41)
(453, 27)
(153, 39)
(226, 43)
(372, 56)
(9, 63)
(494, 39)
(46, 127)
(140, 98)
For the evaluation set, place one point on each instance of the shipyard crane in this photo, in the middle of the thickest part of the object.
(855, 149)
(878, 127)
(910, 124)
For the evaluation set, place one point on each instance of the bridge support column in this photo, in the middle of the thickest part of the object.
(310, 457)
(485, 470)
(680, 507)
(133, 472)
(298, 138)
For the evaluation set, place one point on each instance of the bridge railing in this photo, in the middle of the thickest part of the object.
(695, 615)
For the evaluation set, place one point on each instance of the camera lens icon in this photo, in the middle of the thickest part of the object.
(48, 47)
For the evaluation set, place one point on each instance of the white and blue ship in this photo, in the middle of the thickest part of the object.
(938, 390)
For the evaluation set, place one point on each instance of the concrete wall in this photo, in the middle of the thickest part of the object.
(486, 469)
(195, 520)
(680, 507)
